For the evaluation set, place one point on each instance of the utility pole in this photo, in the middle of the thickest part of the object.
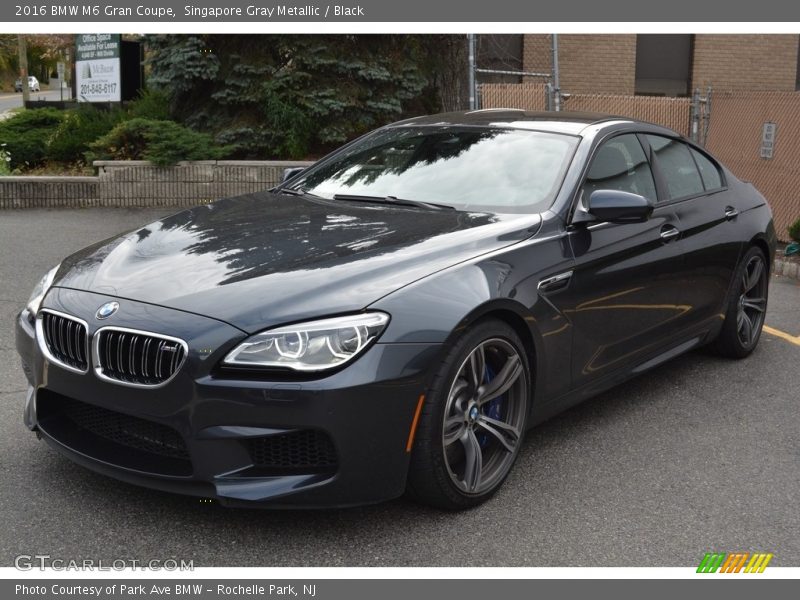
(23, 68)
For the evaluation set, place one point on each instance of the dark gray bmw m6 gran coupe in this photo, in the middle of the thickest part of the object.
(394, 318)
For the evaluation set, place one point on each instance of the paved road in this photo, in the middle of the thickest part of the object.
(700, 455)
(9, 101)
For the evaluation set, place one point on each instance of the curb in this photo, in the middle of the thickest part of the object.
(786, 269)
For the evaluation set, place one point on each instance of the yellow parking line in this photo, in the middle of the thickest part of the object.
(793, 339)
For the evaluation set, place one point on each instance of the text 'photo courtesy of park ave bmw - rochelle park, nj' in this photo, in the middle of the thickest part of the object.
(394, 299)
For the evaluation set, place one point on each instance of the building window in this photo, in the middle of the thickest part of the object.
(663, 64)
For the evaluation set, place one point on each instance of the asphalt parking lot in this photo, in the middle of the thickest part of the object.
(700, 455)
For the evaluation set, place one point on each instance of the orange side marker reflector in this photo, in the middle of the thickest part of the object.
(415, 422)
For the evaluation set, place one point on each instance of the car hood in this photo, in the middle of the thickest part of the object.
(258, 260)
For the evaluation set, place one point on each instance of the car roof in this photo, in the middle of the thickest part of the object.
(560, 122)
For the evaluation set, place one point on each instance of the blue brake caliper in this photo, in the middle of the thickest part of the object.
(490, 409)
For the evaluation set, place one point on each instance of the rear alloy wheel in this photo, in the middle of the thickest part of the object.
(747, 307)
(474, 419)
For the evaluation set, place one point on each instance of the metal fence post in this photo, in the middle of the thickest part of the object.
(478, 90)
(556, 87)
(694, 116)
(472, 91)
(707, 115)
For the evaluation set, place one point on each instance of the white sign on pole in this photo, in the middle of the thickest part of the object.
(98, 80)
(97, 68)
(768, 139)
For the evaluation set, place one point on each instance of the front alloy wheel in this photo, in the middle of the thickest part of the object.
(484, 416)
(474, 419)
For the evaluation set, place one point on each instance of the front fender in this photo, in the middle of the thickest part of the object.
(438, 308)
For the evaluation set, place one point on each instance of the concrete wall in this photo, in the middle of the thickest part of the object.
(138, 183)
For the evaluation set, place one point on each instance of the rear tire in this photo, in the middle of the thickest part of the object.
(747, 307)
(474, 419)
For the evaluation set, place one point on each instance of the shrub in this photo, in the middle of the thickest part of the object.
(78, 130)
(5, 159)
(126, 141)
(794, 230)
(151, 104)
(162, 142)
(26, 134)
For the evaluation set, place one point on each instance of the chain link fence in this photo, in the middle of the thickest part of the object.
(732, 130)
(674, 113)
(537, 55)
(736, 136)
(526, 96)
(514, 66)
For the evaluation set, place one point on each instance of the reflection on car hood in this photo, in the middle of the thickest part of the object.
(262, 259)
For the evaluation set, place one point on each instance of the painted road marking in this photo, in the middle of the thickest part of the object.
(793, 339)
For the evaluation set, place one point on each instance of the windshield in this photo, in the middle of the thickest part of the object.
(469, 168)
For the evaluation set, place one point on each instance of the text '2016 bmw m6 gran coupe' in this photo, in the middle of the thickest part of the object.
(394, 318)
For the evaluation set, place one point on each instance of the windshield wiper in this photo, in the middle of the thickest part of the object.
(392, 200)
(298, 192)
(291, 192)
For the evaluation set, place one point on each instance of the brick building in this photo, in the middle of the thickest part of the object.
(667, 65)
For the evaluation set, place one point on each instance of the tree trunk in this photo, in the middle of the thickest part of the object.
(451, 72)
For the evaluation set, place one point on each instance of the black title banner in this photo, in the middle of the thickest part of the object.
(461, 11)
(342, 589)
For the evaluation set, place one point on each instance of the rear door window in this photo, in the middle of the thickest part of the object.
(677, 166)
(709, 172)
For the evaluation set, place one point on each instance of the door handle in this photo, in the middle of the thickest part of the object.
(669, 233)
(555, 283)
(731, 213)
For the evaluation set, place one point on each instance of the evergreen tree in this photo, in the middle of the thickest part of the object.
(288, 96)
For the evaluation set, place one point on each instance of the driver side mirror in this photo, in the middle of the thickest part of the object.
(290, 172)
(616, 206)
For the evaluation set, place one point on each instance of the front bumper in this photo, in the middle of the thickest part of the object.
(217, 427)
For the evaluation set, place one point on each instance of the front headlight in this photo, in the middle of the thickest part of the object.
(35, 301)
(311, 346)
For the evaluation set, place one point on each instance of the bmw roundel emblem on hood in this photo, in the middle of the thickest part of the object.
(108, 309)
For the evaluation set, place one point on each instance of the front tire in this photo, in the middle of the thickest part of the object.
(473, 420)
(747, 307)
